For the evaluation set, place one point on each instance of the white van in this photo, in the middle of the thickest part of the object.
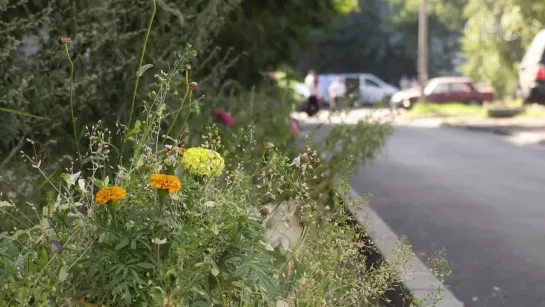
(368, 87)
(532, 71)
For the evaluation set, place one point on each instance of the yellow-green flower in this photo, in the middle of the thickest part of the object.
(204, 162)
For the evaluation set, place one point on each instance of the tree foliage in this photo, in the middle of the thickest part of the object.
(382, 38)
(106, 40)
(496, 37)
(267, 33)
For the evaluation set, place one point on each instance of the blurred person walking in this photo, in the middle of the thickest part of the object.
(404, 83)
(311, 81)
(337, 90)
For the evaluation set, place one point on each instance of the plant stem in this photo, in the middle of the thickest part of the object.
(188, 113)
(187, 90)
(138, 75)
(72, 102)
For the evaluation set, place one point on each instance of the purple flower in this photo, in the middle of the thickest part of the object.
(224, 116)
(58, 246)
(294, 127)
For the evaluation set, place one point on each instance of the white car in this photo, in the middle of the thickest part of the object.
(532, 71)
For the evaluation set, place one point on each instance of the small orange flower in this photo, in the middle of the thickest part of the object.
(181, 150)
(165, 182)
(108, 194)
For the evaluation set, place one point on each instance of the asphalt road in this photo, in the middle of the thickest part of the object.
(478, 196)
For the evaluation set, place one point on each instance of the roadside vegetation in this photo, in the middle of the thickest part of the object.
(137, 171)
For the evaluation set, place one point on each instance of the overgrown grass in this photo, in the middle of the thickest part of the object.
(463, 111)
(421, 109)
(533, 111)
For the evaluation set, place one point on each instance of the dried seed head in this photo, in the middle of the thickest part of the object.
(268, 145)
(181, 151)
(64, 40)
(193, 85)
(264, 211)
(187, 67)
(304, 159)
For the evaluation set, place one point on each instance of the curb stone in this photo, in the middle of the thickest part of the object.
(418, 279)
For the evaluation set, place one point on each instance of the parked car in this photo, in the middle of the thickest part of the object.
(532, 71)
(444, 90)
(367, 87)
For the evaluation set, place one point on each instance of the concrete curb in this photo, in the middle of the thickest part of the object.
(418, 279)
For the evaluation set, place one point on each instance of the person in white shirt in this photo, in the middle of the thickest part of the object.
(337, 90)
(404, 83)
(311, 81)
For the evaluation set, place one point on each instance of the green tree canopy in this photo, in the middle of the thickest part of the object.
(496, 37)
(382, 38)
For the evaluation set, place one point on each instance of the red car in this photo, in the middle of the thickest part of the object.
(445, 90)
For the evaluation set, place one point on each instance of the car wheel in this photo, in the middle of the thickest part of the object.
(407, 104)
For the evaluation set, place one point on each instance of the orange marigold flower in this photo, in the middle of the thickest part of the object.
(108, 194)
(166, 182)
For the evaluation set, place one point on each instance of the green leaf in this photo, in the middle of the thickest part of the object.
(143, 69)
(214, 270)
(43, 255)
(66, 178)
(63, 274)
(70, 179)
(97, 182)
(137, 278)
(21, 113)
(5, 204)
(135, 130)
(122, 244)
(145, 265)
(133, 244)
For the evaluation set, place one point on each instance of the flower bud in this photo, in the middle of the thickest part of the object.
(187, 67)
(193, 85)
(64, 40)
(264, 211)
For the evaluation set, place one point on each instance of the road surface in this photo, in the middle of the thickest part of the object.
(475, 194)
